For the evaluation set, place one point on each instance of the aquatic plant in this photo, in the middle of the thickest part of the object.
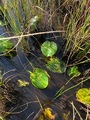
(56, 65)
(5, 45)
(72, 74)
(73, 71)
(49, 48)
(39, 78)
(83, 96)
(22, 83)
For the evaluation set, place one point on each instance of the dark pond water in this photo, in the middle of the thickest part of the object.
(24, 102)
(26, 105)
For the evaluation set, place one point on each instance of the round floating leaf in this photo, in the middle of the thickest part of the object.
(49, 48)
(39, 78)
(83, 96)
(73, 71)
(56, 65)
(5, 45)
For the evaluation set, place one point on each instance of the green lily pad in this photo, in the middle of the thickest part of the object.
(5, 45)
(83, 96)
(39, 78)
(49, 48)
(56, 65)
(73, 71)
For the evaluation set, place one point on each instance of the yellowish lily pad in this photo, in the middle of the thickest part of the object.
(83, 96)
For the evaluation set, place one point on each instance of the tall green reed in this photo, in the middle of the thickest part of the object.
(78, 33)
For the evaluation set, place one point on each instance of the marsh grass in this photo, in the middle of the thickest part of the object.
(73, 17)
(17, 14)
(78, 32)
(76, 111)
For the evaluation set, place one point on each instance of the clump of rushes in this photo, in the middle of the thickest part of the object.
(22, 16)
(78, 33)
(19, 14)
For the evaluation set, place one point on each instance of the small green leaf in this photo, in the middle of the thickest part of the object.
(83, 96)
(22, 83)
(34, 22)
(56, 65)
(39, 78)
(49, 48)
(5, 45)
(73, 71)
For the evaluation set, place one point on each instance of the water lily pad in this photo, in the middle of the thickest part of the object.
(5, 45)
(49, 48)
(39, 78)
(73, 71)
(56, 65)
(83, 96)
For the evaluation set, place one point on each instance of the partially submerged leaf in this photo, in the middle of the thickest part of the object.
(49, 48)
(48, 114)
(45, 114)
(22, 83)
(56, 65)
(73, 71)
(5, 45)
(83, 96)
(39, 78)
